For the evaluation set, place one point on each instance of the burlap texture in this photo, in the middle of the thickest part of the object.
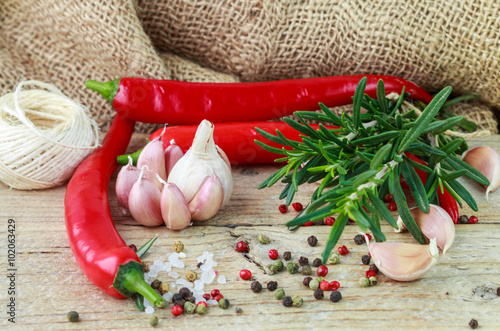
(432, 43)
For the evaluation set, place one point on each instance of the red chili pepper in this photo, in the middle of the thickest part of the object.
(98, 248)
(446, 200)
(178, 102)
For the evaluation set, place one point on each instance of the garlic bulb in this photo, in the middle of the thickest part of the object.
(144, 201)
(126, 178)
(487, 161)
(201, 162)
(153, 156)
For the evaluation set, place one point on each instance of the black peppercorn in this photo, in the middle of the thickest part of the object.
(287, 256)
(366, 259)
(312, 241)
(319, 222)
(306, 281)
(498, 291)
(191, 299)
(156, 284)
(176, 296)
(180, 302)
(335, 296)
(238, 310)
(303, 261)
(272, 286)
(256, 287)
(287, 301)
(464, 219)
(473, 324)
(374, 268)
(185, 292)
(317, 262)
(200, 264)
(359, 239)
(319, 294)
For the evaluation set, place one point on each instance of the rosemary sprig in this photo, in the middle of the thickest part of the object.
(357, 163)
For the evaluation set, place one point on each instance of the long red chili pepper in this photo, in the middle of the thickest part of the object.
(98, 248)
(176, 102)
(446, 200)
(235, 139)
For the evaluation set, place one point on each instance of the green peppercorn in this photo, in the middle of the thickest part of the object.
(334, 258)
(306, 270)
(292, 267)
(201, 309)
(279, 265)
(273, 269)
(279, 294)
(263, 239)
(364, 282)
(297, 301)
(164, 288)
(336, 296)
(178, 246)
(313, 284)
(224, 303)
(73, 316)
(191, 276)
(287, 301)
(153, 320)
(189, 307)
(373, 281)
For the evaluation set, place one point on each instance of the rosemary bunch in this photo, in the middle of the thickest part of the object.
(362, 160)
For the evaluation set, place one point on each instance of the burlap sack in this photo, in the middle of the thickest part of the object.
(432, 43)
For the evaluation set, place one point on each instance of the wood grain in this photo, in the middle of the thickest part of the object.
(49, 283)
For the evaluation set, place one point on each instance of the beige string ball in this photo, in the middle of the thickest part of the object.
(44, 136)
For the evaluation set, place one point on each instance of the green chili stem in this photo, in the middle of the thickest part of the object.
(107, 89)
(134, 282)
(123, 159)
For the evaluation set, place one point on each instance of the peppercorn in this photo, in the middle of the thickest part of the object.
(374, 268)
(241, 246)
(73, 316)
(273, 254)
(498, 291)
(359, 239)
(317, 262)
(153, 320)
(283, 208)
(297, 301)
(393, 206)
(218, 297)
(263, 239)
(215, 292)
(201, 309)
(329, 220)
(178, 246)
(303, 261)
(297, 206)
(189, 307)
(273, 269)
(176, 296)
(279, 294)
(177, 310)
(473, 324)
(322, 271)
(191, 276)
(324, 285)
(224, 303)
(334, 285)
(334, 258)
(364, 282)
(306, 281)
(164, 288)
(191, 299)
(365, 259)
(145, 266)
(306, 270)
(336, 296)
(370, 273)
(256, 287)
(199, 264)
(185, 293)
(319, 222)
(312, 241)
(313, 284)
(292, 267)
(343, 250)
(319, 294)
(245, 274)
(463, 219)
(179, 302)
(473, 220)
(279, 265)
(272, 286)
(133, 247)
(287, 301)
(373, 280)
(287, 256)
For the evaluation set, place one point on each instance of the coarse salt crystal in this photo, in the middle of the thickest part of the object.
(208, 276)
(173, 274)
(198, 285)
(167, 266)
(182, 255)
(149, 310)
(167, 296)
(212, 302)
(158, 262)
(221, 279)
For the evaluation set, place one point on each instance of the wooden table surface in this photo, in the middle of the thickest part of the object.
(48, 282)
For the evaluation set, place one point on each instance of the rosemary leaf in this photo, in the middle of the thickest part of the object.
(357, 99)
(333, 238)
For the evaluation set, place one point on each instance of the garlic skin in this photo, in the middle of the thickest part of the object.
(207, 202)
(152, 156)
(174, 208)
(144, 201)
(202, 160)
(126, 178)
(437, 224)
(172, 153)
(487, 161)
(404, 262)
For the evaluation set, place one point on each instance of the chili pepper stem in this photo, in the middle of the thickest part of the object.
(107, 89)
(123, 159)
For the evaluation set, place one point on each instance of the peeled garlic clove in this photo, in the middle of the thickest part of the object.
(172, 153)
(144, 201)
(152, 156)
(436, 224)
(174, 208)
(207, 202)
(487, 161)
(404, 262)
(126, 178)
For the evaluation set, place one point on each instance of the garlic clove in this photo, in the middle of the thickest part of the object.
(404, 262)
(174, 208)
(436, 224)
(223, 155)
(152, 156)
(172, 153)
(207, 202)
(144, 201)
(126, 178)
(487, 161)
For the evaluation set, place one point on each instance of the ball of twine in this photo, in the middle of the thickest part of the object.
(44, 135)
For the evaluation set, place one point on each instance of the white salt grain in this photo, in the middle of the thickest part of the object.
(173, 274)
(182, 255)
(149, 310)
(212, 302)
(221, 279)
